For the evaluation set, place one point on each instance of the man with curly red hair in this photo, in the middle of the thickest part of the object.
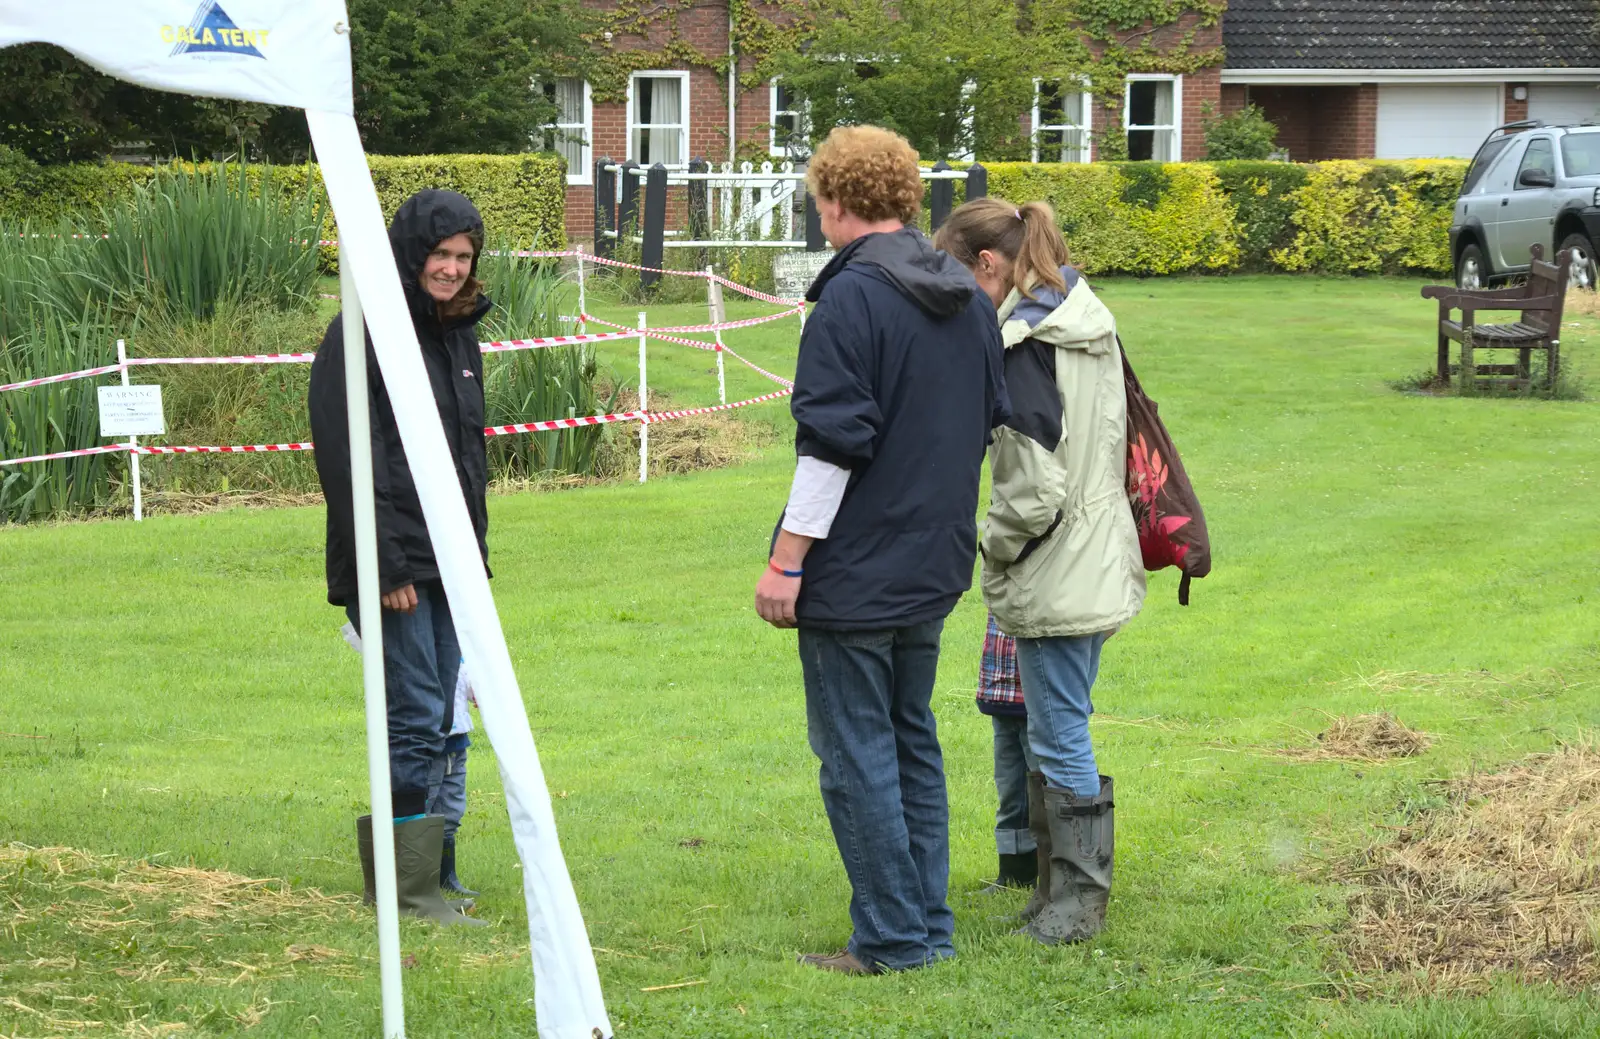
(898, 383)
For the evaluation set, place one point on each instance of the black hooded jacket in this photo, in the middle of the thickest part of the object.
(899, 380)
(455, 368)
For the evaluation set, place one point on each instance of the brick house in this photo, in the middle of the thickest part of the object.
(1395, 79)
(677, 112)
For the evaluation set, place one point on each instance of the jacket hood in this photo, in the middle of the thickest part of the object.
(1075, 319)
(422, 222)
(927, 277)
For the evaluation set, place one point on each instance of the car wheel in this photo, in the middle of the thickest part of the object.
(1472, 273)
(1581, 275)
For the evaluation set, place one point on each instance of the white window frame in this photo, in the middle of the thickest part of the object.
(682, 75)
(802, 117)
(1085, 154)
(585, 176)
(1176, 128)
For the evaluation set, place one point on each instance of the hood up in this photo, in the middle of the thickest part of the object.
(422, 222)
(908, 261)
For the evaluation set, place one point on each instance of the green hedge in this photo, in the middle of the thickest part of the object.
(522, 197)
(1339, 217)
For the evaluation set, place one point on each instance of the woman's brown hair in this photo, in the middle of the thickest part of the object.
(465, 301)
(1026, 235)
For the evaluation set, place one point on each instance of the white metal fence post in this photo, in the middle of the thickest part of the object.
(133, 443)
(644, 408)
(371, 621)
(715, 309)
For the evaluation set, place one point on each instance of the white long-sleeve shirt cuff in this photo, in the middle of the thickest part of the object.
(815, 497)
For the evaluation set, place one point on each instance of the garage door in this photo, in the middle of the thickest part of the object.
(1435, 122)
(1558, 104)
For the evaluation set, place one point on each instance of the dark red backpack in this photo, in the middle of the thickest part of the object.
(1172, 528)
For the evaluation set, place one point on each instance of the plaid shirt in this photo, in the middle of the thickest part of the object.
(999, 687)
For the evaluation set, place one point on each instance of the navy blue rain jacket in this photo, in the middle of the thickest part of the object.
(900, 379)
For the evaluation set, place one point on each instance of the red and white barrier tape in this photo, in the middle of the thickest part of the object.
(780, 380)
(302, 358)
(548, 341)
(107, 449)
(746, 290)
(248, 449)
(563, 423)
(87, 373)
(665, 416)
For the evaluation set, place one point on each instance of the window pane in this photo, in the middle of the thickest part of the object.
(1485, 158)
(659, 101)
(1141, 103)
(784, 101)
(1540, 156)
(569, 101)
(653, 146)
(1581, 153)
(1050, 111)
(1141, 145)
(1163, 147)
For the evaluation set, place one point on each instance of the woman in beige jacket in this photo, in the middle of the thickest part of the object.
(1062, 569)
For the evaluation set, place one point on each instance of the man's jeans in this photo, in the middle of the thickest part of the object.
(447, 784)
(1013, 760)
(1057, 677)
(420, 662)
(871, 725)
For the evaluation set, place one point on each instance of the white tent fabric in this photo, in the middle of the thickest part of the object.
(296, 52)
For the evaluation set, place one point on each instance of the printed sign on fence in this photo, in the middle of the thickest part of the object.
(131, 411)
(794, 272)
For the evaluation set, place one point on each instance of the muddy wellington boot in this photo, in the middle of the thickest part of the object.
(448, 881)
(1082, 844)
(418, 849)
(1041, 839)
(369, 873)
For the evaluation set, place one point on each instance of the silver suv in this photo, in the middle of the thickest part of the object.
(1529, 184)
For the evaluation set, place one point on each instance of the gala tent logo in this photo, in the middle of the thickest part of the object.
(213, 32)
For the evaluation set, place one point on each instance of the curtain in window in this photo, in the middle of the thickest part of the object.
(658, 115)
(1164, 144)
(570, 137)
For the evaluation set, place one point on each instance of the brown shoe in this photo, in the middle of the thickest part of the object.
(842, 962)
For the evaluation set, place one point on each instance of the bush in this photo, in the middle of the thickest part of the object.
(1246, 134)
(1167, 218)
(522, 197)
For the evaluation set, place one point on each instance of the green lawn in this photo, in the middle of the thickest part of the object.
(195, 705)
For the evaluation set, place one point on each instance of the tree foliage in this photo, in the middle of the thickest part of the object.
(430, 77)
(1246, 134)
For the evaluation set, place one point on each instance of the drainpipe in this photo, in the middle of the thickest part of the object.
(733, 91)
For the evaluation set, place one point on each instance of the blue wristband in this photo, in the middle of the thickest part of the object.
(773, 565)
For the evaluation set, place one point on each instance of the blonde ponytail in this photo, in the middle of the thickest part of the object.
(1026, 235)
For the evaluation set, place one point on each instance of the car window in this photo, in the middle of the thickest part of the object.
(1541, 155)
(1503, 170)
(1482, 161)
(1580, 154)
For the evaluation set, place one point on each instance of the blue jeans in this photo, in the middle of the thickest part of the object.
(447, 784)
(420, 662)
(1057, 677)
(1013, 760)
(870, 722)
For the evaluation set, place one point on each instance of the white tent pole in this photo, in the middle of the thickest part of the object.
(644, 406)
(371, 614)
(713, 301)
(133, 442)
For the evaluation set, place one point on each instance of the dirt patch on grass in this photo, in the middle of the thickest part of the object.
(1511, 689)
(1362, 737)
(1501, 876)
(89, 933)
(686, 445)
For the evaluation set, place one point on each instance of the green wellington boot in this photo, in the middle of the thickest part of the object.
(369, 872)
(1041, 838)
(1082, 849)
(418, 845)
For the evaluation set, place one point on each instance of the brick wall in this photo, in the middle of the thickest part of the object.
(1234, 98)
(1515, 111)
(1316, 123)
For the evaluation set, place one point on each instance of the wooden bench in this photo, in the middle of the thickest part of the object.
(1540, 299)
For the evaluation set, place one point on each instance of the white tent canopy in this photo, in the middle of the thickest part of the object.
(297, 53)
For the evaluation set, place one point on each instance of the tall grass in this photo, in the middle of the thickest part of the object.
(59, 417)
(191, 241)
(532, 385)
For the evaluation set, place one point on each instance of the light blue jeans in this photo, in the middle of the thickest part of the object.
(1057, 677)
